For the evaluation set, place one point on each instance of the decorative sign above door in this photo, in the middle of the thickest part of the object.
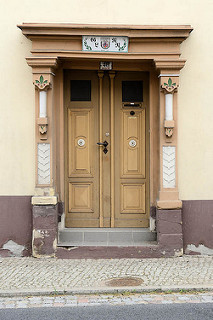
(105, 44)
(106, 65)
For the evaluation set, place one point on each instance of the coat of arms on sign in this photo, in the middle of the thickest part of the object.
(105, 43)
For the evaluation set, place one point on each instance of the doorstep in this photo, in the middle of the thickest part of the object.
(106, 237)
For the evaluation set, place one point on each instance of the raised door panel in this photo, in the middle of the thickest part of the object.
(133, 198)
(80, 197)
(133, 144)
(80, 135)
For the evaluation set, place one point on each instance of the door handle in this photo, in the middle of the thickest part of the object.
(103, 144)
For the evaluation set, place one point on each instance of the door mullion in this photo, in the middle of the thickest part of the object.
(100, 75)
(112, 123)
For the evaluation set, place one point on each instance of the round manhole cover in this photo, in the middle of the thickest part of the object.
(124, 282)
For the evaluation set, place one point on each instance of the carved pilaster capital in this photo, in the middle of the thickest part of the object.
(42, 83)
(170, 86)
(100, 74)
(169, 83)
(112, 74)
(43, 69)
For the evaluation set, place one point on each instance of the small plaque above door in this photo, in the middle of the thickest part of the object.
(105, 44)
(106, 65)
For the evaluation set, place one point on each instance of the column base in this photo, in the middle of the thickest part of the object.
(169, 204)
(45, 226)
(169, 199)
(169, 231)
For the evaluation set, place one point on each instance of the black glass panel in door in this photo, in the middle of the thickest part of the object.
(80, 90)
(132, 91)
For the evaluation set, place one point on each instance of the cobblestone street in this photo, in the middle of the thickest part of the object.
(30, 276)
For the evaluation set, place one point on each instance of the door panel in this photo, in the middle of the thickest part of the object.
(80, 135)
(80, 197)
(132, 198)
(133, 144)
(93, 189)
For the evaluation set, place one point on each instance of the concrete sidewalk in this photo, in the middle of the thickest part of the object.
(30, 276)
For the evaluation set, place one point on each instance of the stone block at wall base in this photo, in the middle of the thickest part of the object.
(170, 231)
(45, 230)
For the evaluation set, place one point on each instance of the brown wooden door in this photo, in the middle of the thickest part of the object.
(131, 150)
(105, 189)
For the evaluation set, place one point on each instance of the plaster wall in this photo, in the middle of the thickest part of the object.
(195, 110)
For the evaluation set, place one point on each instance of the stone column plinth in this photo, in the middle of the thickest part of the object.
(169, 231)
(45, 226)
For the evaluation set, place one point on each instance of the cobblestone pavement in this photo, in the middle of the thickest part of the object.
(44, 276)
(92, 300)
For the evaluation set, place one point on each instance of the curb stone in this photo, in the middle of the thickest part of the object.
(105, 290)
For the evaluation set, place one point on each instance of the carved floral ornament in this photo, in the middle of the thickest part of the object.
(42, 84)
(42, 125)
(169, 86)
(42, 129)
(169, 132)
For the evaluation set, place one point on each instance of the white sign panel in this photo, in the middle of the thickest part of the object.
(104, 44)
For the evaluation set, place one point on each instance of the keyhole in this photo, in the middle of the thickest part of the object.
(132, 113)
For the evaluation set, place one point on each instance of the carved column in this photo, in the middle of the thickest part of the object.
(44, 201)
(169, 215)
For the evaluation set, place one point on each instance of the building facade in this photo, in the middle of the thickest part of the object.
(106, 129)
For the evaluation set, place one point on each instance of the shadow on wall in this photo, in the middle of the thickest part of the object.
(198, 227)
(15, 226)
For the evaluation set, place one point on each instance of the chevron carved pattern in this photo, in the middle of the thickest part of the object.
(169, 167)
(43, 163)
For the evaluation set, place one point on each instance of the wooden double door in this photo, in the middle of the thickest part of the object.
(107, 182)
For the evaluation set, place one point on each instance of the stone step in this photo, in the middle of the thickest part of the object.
(106, 237)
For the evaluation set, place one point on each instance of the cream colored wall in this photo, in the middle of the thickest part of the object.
(196, 94)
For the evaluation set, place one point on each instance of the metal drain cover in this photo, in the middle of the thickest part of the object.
(124, 282)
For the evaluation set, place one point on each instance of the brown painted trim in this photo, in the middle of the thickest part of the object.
(102, 26)
(49, 62)
(59, 29)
